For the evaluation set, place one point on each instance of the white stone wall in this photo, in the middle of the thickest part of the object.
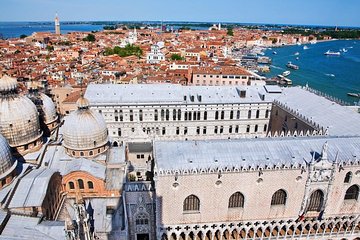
(214, 198)
(134, 130)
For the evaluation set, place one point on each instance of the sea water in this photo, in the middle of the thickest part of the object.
(333, 75)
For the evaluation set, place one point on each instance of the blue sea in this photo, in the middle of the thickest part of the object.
(333, 75)
(15, 29)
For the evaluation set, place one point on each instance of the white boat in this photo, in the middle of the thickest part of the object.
(330, 53)
(297, 58)
(297, 54)
(305, 47)
(344, 50)
(286, 73)
(298, 43)
(274, 52)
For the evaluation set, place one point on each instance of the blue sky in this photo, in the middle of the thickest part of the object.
(312, 12)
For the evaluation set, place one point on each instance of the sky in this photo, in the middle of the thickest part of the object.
(303, 12)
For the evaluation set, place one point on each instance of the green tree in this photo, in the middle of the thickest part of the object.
(128, 50)
(49, 48)
(230, 32)
(89, 38)
(176, 57)
(22, 36)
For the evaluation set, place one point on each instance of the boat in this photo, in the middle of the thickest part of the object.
(297, 58)
(330, 75)
(305, 47)
(344, 50)
(292, 66)
(274, 52)
(297, 54)
(354, 95)
(286, 73)
(330, 53)
(298, 43)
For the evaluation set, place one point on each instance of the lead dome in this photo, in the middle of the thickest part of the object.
(7, 165)
(19, 122)
(85, 132)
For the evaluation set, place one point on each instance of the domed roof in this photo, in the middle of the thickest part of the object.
(48, 108)
(7, 83)
(6, 161)
(19, 121)
(84, 128)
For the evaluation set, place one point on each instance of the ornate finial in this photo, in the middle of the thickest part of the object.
(324, 152)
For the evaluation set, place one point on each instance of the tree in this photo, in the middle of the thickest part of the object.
(22, 36)
(128, 50)
(49, 48)
(230, 32)
(89, 38)
(176, 57)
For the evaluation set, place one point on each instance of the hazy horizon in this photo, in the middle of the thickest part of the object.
(306, 12)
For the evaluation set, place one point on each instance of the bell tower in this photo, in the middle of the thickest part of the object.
(57, 25)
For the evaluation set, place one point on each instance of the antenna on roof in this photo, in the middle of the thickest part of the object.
(81, 88)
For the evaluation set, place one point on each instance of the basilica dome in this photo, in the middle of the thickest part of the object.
(19, 119)
(85, 132)
(48, 108)
(7, 165)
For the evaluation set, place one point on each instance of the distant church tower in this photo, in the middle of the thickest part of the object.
(57, 25)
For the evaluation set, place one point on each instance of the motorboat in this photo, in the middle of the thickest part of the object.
(286, 73)
(297, 54)
(305, 47)
(331, 53)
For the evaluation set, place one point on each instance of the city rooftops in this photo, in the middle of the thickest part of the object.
(185, 157)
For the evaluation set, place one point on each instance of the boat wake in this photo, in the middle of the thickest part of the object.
(276, 67)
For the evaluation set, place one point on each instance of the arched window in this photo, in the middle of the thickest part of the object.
(191, 203)
(90, 185)
(71, 185)
(236, 200)
(352, 193)
(316, 201)
(142, 219)
(249, 114)
(279, 198)
(81, 183)
(82, 154)
(91, 153)
(348, 177)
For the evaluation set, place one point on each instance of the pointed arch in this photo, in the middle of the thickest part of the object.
(236, 200)
(352, 193)
(279, 197)
(316, 201)
(191, 203)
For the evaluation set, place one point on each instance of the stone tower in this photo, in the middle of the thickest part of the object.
(57, 25)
